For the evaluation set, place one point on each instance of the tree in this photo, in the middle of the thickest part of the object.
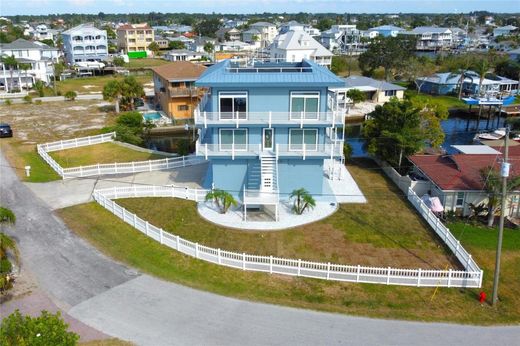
(46, 329)
(492, 183)
(394, 130)
(338, 64)
(176, 45)
(324, 24)
(40, 87)
(417, 67)
(112, 91)
(223, 199)
(48, 42)
(208, 27)
(388, 53)
(111, 34)
(7, 246)
(154, 47)
(131, 89)
(227, 37)
(481, 67)
(118, 61)
(11, 63)
(356, 95)
(209, 47)
(71, 95)
(302, 200)
(25, 67)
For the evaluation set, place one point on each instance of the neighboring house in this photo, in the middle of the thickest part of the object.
(174, 88)
(41, 32)
(344, 38)
(377, 91)
(295, 26)
(161, 41)
(459, 37)
(39, 56)
(445, 83)
(182, 39)
(235, 46)
(456, 179)
(228, 34)
(267, 129)
(252, 36)
(387, 30)
(198, 43)
(295, 46)
(504, 30)
(233, 23)
(85, 43)
(514, 54)
(267, 32)
(183, 55)
(134, 38)
(431, 37)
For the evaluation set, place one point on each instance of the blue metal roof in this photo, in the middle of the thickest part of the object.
(305, 73)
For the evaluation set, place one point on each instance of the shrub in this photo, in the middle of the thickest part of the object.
(223, 199)
(46, 329)
(38, 102)
(130, 119)
(347, 151)
(183, 147)
(302, 200)
(40, 87)
(8, 102)
(27, 99)
(71, 95)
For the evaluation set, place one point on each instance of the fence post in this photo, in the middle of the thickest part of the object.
(449, 278)
(358, 270)
(98, 169)
(467, 262)
(243, 261)
(161, 235)
(133, 167)
(134, 220)
(419, 278)
(177, 242)
(80, 171)
(388, 276)
(196, 250)
(299, 266)
(270, 264)
(146, 227)
(481, 274)
(457, 248)
(219, 259)
(328, 270)
(150, 165)
(185, 193)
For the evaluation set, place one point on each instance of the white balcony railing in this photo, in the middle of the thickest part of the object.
(327, 150)
(269, 118)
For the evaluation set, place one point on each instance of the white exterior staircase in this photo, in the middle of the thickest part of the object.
(269, 169)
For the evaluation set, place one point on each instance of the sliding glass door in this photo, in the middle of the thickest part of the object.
(299, 137)
(231, 104)
(230, 137)
(306, 104)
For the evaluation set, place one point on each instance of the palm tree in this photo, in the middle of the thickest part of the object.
(493, 185)
(302, 200)
(112, 91)
(11, 63)
(25, 67)
(223, 199)
(132, 89)
(7, 244)
(481, 67)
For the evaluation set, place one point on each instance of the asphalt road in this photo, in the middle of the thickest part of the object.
(109, 297)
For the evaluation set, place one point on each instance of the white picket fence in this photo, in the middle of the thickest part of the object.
(108, 168)
(270, 264)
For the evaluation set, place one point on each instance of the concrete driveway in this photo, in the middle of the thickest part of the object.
(117, 301)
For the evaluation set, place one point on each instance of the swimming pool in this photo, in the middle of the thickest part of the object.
(152, 116)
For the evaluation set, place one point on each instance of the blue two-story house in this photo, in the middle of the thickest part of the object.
(269, 128)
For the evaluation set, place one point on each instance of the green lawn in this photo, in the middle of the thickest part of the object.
(145, 63)
(88, 85)
(377, 227)
(450, 102)
(20, 155)
(100, 153)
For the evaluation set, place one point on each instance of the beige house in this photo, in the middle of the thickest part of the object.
(134, 37)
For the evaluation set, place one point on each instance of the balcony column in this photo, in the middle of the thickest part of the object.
(270, 118)
(205, 120)
(304, 151)
(301, 120)
(237, 119)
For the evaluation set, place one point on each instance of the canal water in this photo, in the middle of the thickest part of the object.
(458, 130)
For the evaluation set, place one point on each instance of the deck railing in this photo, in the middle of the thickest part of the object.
(471, 277)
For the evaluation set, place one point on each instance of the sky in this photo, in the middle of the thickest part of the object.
(38, 7)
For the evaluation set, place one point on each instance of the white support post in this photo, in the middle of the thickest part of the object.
(270, 264)
(146, 227)
(243, 261)
(98, 169)
(205, 120)
(358, 271)
(457, 248)
(419, 278)
(328, 270)
(388, 276)
(219, 258)
(449, 278)
(177, 242)
(237, 119)
(270, 118)
(468, 261)
(299, 266)
(304, 151)
(196, 250)
(150, 165)
(186, 193)
(206, 150)
(115, 165)
(135, 222)
(301, 120)
(161, 235)
(80, 171)
(233, 150)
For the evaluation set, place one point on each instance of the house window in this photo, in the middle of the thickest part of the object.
(459, 202)
(299, 137)
(183, 108)
(232, 102)
(306, 104)
(390, 92)
(230, 138)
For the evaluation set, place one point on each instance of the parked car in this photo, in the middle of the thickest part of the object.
(5, 130)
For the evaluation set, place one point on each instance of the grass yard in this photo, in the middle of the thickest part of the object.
(451, 102)
(377, 226)
(145, 63)
(100, 153)
(90, 85)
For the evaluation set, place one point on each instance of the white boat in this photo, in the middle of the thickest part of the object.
(489, 136)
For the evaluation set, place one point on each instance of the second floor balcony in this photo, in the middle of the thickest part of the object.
(333, 118)
(184, 92)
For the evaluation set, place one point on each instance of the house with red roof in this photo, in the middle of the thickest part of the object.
(456, 178)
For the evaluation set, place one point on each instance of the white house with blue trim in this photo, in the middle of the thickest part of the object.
(268, 128)
(387, 30)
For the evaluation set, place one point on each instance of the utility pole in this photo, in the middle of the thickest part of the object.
(504, 172)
